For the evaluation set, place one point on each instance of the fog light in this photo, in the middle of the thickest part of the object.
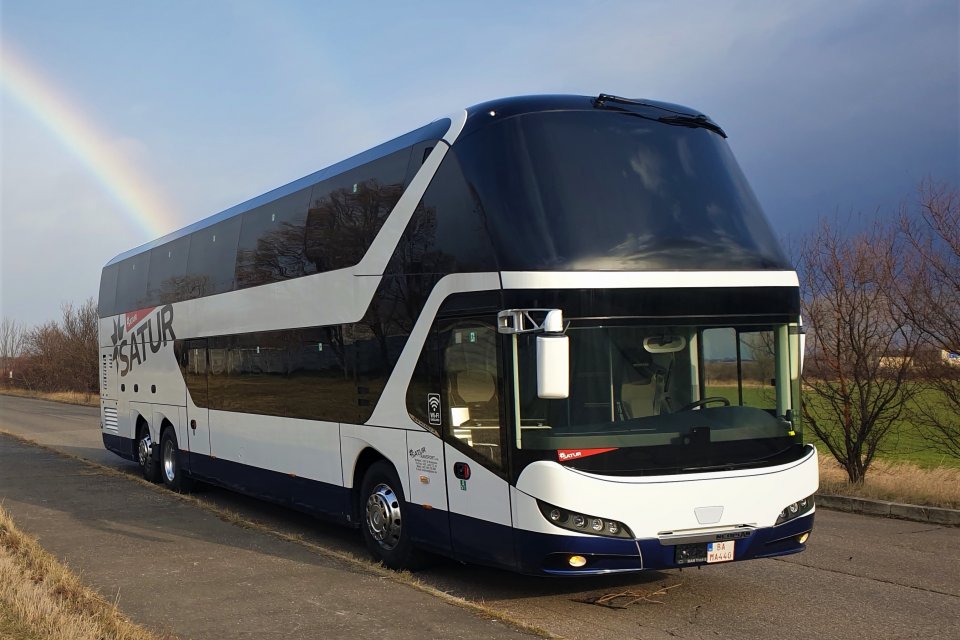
(577, 561)
(803, 537)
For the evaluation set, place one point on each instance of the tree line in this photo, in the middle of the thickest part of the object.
(58, 355)
(881, 308)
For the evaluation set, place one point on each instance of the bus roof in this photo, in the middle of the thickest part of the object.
(477, 117)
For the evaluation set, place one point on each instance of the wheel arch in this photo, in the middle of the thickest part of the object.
(367, 458)
(139, 424)
(166, 423)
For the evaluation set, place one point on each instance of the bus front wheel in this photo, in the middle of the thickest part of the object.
(382, 505)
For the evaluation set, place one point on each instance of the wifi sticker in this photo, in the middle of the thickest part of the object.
(433, 409)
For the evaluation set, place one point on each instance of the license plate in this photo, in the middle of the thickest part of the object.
(720, 551)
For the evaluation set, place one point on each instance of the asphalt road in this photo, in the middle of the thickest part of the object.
(861, 577)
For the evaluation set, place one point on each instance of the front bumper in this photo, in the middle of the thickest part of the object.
(546, 554)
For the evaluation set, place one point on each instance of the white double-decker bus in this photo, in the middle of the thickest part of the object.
(554, 334)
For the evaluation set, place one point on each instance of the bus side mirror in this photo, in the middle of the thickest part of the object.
(553, 348)
(553, 359)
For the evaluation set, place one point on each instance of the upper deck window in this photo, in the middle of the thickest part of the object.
(600, 190)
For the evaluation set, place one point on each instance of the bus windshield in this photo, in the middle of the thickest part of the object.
(602, 190)
(686, 397)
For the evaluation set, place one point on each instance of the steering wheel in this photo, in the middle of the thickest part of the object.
(704, 402)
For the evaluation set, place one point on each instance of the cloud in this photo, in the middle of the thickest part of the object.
(827, 104)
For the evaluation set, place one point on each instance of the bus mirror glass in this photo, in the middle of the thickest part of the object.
(553, 366)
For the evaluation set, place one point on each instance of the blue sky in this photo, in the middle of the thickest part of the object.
(830, 106)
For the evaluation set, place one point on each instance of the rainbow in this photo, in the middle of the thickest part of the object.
(137, 198)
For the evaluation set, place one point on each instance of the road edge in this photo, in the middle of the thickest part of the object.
(886, 509)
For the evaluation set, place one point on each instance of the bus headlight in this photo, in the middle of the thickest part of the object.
(795, 510)
(583, 523)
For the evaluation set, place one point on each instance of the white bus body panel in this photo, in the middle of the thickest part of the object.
(198, 435)
(485, 495)
(302, 448)
(425, 470)
(390, 443)
(652, 505)
(646, 279)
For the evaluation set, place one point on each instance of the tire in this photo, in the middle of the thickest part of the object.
(381, 507)
(147, 454)
(170, 471)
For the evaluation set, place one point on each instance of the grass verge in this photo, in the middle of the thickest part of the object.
(42, 599)
(360, 564)
(895, 482)
(66, 397)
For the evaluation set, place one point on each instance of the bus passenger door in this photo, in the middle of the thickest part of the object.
(194, 363)
(478, 493)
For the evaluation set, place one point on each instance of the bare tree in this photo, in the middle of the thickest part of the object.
(11, 345)
(858, 384)
(62, 356)
(929, 297)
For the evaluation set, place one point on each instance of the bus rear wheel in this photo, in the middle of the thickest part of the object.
(384, 531)
(171, 472)
(147, 456)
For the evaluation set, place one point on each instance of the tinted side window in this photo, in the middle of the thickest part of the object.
(272, 242)
(192, 356)
(218, 349)
(418, 154)
(132, 282)
(213, 255)
(447, 233)
(107, 300)
(374, 353)
(299, 373)
(424, 382)
(347, 211)
(168, 268)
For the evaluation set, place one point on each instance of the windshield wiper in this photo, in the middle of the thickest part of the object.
(700, 121)
(650, 109)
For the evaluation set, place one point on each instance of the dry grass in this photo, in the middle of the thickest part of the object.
(66, 397)
(895, 482)
(41, 598)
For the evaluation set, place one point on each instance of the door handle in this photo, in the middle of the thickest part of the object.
(461, 470)
(193, 425)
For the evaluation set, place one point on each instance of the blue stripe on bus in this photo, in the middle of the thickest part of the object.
(766, 542)
(544, 553)
(303, 494)
(123, 447)
(482, 542)
(429, 528)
